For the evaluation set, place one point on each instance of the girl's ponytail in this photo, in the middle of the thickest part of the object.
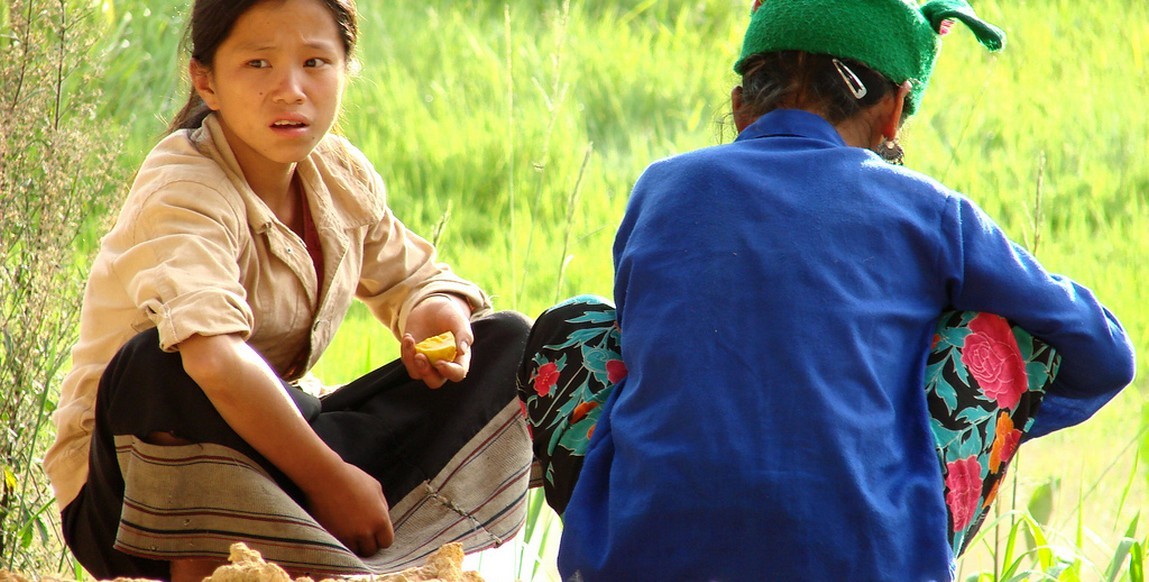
(192, 114)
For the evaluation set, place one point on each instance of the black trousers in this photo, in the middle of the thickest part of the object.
(387, 424)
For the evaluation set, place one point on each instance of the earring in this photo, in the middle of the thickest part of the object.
(891, 151)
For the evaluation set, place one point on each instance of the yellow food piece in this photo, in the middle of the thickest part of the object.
(247, 565)
(438, 347)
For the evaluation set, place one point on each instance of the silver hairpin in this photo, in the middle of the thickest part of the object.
(857, 88)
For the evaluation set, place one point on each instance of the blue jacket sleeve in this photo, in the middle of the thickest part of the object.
(988, 272)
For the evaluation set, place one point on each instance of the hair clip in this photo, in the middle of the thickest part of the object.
(857, 88)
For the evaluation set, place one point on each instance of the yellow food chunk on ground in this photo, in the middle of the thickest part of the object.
(445, 565)
(248, 566)
(438, 347)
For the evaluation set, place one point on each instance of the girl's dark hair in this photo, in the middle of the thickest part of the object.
(211, 22)
(801, 80)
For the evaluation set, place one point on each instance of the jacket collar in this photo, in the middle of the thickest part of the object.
(325, 187)
(792, 123)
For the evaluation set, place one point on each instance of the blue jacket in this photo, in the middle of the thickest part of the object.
(777, 296)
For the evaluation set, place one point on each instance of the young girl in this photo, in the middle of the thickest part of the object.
(755, 410)
(247, 232)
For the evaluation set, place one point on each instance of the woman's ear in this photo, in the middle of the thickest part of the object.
(737, 110)
(203, 83)
(893, 121)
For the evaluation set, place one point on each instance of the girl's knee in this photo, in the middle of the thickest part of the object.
(506, 325)
(142, 355)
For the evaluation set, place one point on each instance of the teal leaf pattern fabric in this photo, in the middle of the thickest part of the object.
(985, 379)
(984, 382)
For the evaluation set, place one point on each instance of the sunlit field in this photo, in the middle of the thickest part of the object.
(511, 134)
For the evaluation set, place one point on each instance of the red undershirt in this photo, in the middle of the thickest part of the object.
(311, 241)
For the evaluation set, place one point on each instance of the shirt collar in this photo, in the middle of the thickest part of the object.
(792, 123)
(211, 140)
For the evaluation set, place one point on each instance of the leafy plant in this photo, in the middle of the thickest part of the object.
(54, 176)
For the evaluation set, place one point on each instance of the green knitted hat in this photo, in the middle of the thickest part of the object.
(896, 38)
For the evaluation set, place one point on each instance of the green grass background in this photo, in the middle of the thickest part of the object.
(512, 133)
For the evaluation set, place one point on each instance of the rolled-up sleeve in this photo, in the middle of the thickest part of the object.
(400, 269)
(998, 276)
(180, 264)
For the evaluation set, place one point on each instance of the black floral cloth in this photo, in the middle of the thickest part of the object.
(984, 383)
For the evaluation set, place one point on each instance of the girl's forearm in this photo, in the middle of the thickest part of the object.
(251, 399)
(348, 502)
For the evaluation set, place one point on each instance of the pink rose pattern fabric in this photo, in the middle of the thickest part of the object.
(992, 356)
(984, 382)
(963, 490)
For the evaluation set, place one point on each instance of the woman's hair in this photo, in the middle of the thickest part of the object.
(209, 26)
(820, 83)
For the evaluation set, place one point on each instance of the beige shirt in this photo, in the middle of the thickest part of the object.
(195, 251)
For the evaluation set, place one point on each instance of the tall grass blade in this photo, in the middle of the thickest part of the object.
(1124, 550)
(572, 203)
(1122, 554)
(1035, 224)
(510, 146)
(441, 226)
(1143, 438)
(1137, 562)
(1040, 508)
(1044, 552)
(553, 99)
(1007, 558)
(1128, 488)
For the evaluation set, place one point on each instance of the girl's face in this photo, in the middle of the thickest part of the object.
(276, 83)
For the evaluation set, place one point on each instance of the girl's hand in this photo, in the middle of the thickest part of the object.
(245, 390)
(432, 316)
(351, 506)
